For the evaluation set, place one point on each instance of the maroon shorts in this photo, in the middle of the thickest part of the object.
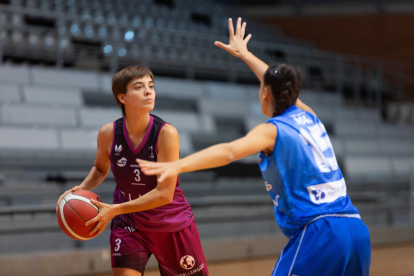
(178, 253)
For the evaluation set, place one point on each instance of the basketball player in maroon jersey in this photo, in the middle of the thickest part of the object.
(147, 218)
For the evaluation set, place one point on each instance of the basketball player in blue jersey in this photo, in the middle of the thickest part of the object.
(147, 217)
(326, 233)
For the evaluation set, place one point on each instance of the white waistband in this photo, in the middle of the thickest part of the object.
(336, 215)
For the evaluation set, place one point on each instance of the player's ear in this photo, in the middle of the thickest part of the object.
(121, 98)
(266, 93)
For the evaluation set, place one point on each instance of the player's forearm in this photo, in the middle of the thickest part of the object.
(94, 179)
(212, 157)
(258, 67)
(153, 199)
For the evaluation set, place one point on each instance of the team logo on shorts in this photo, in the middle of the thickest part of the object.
(187, 262)
(122, 162)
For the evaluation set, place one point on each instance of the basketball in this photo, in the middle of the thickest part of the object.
(74, 211)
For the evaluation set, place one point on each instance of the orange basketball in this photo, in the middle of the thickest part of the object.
(74, 211)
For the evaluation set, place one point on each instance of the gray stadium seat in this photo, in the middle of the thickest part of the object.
(396, 147)
(369, 115)
(37, 116)
(362, 146)
(52, 96)
(252, 122)
(186, 145)
(9, 93)
(65, 78)
(14, 74)
(105, 83)
(224, 108)
(79, 139)
(178, 88)
(219, 90)
(368, 169)
(183, 121)
(338, 146)
(403, 168)
(28, 138)
(348, 128)
(97, 117)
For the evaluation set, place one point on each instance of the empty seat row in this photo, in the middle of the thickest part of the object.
(82, 140)
(39, 76)
(372, 147)
(378, 169)
(372, 131)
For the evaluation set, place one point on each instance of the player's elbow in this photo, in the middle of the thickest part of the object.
(228, 153)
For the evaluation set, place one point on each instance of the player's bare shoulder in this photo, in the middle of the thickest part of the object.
(168, 137)
(105, 136)
(168, 131)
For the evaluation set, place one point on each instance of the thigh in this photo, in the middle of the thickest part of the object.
(180, 253)
(321, 248)
(129, 252)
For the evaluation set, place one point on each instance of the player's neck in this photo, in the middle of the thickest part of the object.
(136, 124)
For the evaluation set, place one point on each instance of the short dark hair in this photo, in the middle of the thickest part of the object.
(285, 84)
(121, 79)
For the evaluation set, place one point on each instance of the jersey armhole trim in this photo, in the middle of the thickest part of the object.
(113, 141)
(277, 137)
(158, 135)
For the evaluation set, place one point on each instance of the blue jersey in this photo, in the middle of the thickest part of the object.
(302, 175)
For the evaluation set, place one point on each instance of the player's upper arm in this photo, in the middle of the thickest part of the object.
(168, 144)
(104, 141)
(168, 150)
(260, 138)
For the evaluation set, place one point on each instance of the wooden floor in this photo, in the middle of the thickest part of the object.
(386, 261)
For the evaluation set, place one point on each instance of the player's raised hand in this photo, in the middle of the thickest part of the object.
(162, 169)
(238, 44)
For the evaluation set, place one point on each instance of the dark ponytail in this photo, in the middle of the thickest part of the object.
(285, 84)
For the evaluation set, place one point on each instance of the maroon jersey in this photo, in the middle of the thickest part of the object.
(131, 183)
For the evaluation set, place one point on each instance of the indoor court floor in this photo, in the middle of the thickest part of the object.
(386, 261)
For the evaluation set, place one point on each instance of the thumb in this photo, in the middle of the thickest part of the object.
(95, 202)
(221, 45)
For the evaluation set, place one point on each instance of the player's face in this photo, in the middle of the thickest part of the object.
(140, 94)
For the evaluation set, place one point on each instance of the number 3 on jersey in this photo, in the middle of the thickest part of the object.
(318, 139)
(137, 177)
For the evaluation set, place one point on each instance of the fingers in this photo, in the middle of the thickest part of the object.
(247, 38)
(243, 30)
(238, 28)
(65, 193)
(161, 178)
(96, 229)
(96, 203)
(151, 171)
(231, 29)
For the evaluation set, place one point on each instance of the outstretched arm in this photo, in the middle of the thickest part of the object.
(238, 47)
(260, 138)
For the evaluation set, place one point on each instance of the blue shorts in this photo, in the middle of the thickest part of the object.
(328, 246)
